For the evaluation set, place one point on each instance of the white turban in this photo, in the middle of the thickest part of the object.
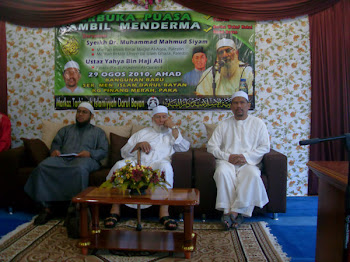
(87, 106)
(71, 64)
(240, 94)
(159, 109)
(225, 42)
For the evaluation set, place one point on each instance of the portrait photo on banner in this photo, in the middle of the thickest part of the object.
(137, 60)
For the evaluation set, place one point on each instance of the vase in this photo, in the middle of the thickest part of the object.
(133, 191)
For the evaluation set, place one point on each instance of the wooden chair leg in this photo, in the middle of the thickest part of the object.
(138, 227)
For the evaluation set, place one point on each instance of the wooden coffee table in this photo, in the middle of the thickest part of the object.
(137, 240)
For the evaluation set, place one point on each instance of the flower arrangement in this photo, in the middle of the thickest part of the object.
(136, 178)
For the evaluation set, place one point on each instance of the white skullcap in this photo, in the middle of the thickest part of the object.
(225, 42)
(241, 94)
(71, 64)
(159, 109)
(87, 106)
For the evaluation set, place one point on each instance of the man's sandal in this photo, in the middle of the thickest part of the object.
(226, 221)
(111, 221)
(169, 223)
(237, 221)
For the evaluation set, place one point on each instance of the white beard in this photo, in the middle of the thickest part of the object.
(159, 129)
(230, 68)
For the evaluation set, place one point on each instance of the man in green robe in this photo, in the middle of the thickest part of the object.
(76, 151)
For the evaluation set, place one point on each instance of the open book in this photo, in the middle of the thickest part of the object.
(68, 155)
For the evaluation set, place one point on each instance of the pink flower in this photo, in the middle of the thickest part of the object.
(137, 175)
(154, 179)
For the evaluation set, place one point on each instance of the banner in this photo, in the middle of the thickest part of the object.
(136, 60)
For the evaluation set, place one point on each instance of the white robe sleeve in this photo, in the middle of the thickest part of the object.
(126, 149)
(214, 144)
(255, 156)
(181, 144)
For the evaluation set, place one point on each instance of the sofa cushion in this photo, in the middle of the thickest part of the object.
(117, 142)
(49, 131)
(136, 128)
(210, 129)
(36, 149)
(123, 131)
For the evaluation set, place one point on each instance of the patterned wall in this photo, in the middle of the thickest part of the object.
(282, 90)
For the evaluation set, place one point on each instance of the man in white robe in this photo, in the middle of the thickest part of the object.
(76, 151)
(229, 74)
(239, 144)
(157, 143)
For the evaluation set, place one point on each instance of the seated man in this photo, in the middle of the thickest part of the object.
(239, 144)
(59, 177)
(157, 144)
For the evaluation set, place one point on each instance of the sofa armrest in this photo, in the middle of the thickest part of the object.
(204, 162)
(204, 165)
(10, 162)
(275, 168)
(182, 166)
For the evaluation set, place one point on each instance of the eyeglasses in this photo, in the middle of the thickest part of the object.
(227, 50)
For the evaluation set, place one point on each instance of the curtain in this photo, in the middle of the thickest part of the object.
(50, 13)
(3, 69)
(257, 10)
(330, 76)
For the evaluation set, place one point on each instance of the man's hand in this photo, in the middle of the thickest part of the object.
(169, 123)
(55, 153)
(84, 153)
(237, 159)
(144, 146)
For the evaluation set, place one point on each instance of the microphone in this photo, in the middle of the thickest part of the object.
(216, 67)
(219, 64)
(318, 140)
(309, 141)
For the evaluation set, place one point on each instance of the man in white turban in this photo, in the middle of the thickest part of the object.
(71, 76)
(228, 73)
(239, 144)
(157, 144)
(76, 151)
